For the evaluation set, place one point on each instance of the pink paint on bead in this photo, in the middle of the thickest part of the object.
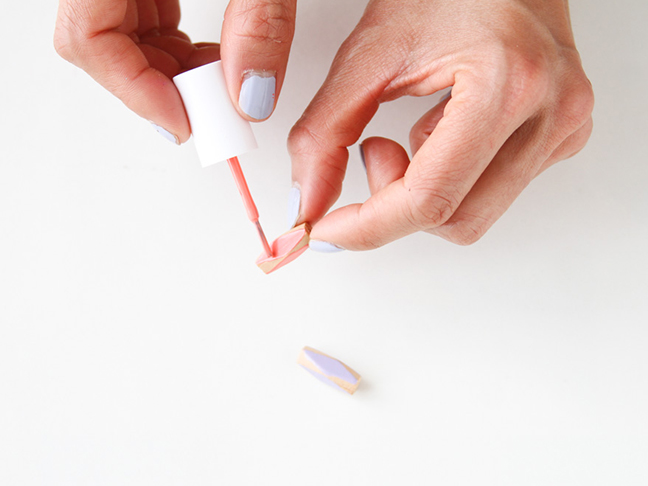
(285, 249)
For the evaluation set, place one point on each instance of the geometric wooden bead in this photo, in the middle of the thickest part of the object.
(286, 248)
(329, 370)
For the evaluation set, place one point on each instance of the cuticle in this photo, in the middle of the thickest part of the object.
(261, 73)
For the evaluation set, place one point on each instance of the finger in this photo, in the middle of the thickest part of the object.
(160, 60)
(255, 44)
(510, 172)
(441, 173)
(424, 127)
(168, 14)
(334, 120)
(148, 21)
(521, 160)
(89, 34)
(526, 154)
(186, 55)
(385, 161)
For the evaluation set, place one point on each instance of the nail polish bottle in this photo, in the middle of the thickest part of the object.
(219, 132)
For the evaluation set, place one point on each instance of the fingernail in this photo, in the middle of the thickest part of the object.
(166, 134)
(258, 94)
(294, 202)
(446, 96)
(362, 157)
(324, 247)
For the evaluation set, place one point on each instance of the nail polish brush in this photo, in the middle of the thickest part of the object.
(248, 202)
(219, 132)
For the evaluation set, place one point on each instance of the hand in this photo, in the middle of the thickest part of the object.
(133, 48)
(520, 103)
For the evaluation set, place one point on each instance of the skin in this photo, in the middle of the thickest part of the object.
(134, 48)
(520, 100)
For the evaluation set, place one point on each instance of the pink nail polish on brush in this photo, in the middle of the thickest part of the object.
(220, 133)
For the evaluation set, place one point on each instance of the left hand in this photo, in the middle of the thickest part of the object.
(134, 48)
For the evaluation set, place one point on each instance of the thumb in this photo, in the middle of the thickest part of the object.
(255, 45)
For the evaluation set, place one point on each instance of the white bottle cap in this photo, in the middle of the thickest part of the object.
(218, 130)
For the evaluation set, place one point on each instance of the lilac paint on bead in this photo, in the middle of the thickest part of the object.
(323, 379)
(331, 367)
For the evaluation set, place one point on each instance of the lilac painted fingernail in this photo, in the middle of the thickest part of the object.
(257, 95)
(329, 370)
(294, 203)
(166, 134)
(324, 247)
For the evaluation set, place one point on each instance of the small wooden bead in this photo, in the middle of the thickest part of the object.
(329, 370)
(286, 248)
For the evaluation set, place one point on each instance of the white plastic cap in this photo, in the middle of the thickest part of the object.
(218, 130)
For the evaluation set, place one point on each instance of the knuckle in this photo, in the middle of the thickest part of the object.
(367, 240)
(303, 141)
(431, 208)
(574, 143)
(518, 77)
(68, 32)
(63, 41)
(306, 145)
(577, 103)
(468, 231)
(529, 79)
(267, 21)
(62, 44)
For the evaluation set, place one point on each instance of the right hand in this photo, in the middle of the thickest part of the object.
(520, 103)
(134, 48)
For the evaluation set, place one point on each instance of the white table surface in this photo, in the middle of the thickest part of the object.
(139, 343)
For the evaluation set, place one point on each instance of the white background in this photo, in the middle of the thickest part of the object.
(139, 343)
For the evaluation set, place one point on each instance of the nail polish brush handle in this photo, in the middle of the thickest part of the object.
(248, 202)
